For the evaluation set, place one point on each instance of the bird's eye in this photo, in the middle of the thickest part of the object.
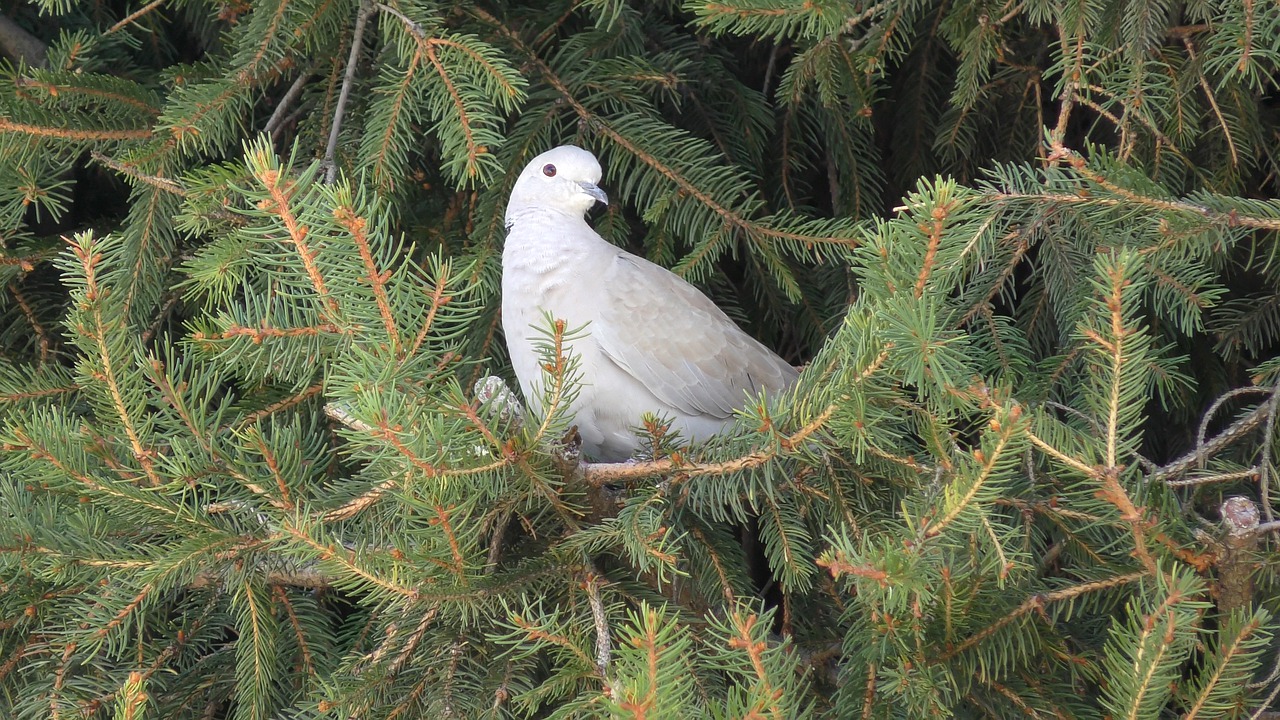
(549, 170)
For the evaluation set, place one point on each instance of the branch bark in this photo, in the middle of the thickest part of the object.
(19, 45)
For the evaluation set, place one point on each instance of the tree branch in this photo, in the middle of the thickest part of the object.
(21, 46)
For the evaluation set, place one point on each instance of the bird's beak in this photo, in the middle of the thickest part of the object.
(594, 191)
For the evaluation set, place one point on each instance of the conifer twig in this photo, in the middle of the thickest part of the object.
(1264, 464)
(277, 118)
(357, 41)
(414, 28)
(156, 181)
(133, 17)
(1247, 474)
(46, 344)
(1234, 432)
(1038, 602)
(604, 643)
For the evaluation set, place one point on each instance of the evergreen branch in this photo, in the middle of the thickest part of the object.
(419, 632)
(687, 187)
(162, 658)
(260, 334)
(33, 394)
(21, 46)
(718, 563)
(1119, 353)
(59, 678)
(174, 399)
(1252, 473)
(1220, 402)
(1063, 458)
(58, 90)
(649, 642)
(22, 650)
(837, 563)
(256, 643)
(604, 644)
(1246, 41)
(987, 467)
(1235, 431)
(382, 156)
(1018, 701)
(1264, 463)
(558, 369)
(1224, 668)
(25, 264)
(348, 79)
(273, 466)
(147, 244)
(133, 700)
(1113, 492)
(1037, 603)
(285, 404)
(1070, 80)
(1157, 634)
(469, 411)
(411, 698)
(131, 171)
(89, 256)
(133, 17)
(427, 46)
(769, 696)
(355, 226)
(260, 162)
(73, 134)
(935, 227)
(414, 28)
(278, 116)
(458, 568)
(1213, 101)
(1019, 252)
(303, 576)
(124, 613)
(1231, 219)
(600, 474)
(1122, 124)
(46, 342)
(345, 558)
(150, 333)
(869, 692)
(355, 506)
(474, 148)
(535, 633)
(41, 452)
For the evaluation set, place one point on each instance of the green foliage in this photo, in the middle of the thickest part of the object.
(249, 275)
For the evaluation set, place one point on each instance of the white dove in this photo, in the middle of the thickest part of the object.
(651, 342)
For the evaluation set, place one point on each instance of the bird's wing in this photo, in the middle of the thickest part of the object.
(678, 344)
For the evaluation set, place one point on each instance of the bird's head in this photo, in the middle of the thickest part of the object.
(563, 179)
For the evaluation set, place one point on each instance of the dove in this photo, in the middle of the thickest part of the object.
(650, 341)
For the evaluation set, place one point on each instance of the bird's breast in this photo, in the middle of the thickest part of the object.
(542, 272)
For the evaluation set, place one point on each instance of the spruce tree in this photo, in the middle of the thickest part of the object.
(259, 458)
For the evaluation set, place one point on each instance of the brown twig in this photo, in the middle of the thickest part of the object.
(278, 116)
(604, 643)
(357, 41)
(132, 17)
(1235, 431)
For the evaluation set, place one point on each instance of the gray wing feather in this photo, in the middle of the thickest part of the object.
(684, 349)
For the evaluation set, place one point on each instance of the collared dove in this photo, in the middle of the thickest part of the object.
(651, 342)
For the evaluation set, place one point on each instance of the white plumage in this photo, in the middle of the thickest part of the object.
(652, 342)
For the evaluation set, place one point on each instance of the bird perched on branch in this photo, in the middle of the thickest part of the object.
(651, 342)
